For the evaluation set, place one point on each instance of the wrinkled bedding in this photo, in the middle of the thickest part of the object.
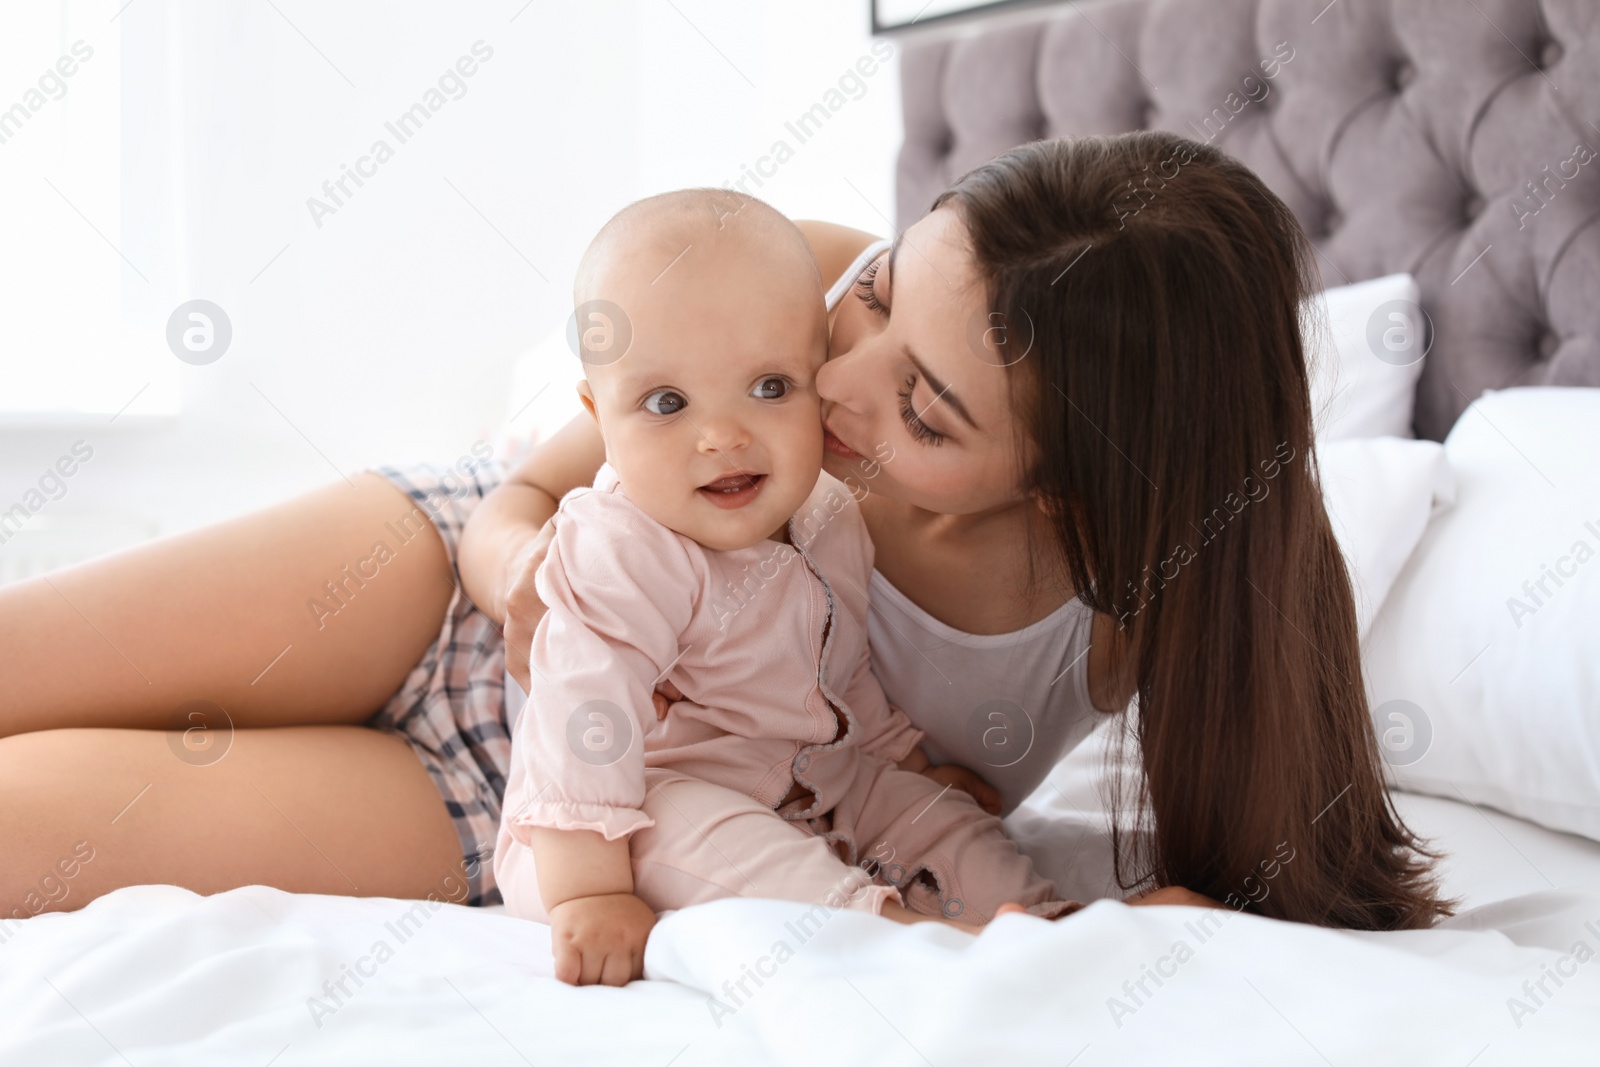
(159, 975)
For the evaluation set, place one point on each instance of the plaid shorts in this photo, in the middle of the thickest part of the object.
(451, 708)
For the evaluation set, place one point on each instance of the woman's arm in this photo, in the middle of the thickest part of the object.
(505, 539)
(512, 516)
(834, 246)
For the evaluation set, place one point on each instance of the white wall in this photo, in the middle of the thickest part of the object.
(388, 333)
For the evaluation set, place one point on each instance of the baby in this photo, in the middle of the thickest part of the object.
(712, 552)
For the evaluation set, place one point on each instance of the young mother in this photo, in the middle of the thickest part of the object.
(1077, 413)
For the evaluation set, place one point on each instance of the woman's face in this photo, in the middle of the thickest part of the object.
(915, 400)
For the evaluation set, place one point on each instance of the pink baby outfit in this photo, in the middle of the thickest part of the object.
(768, 645)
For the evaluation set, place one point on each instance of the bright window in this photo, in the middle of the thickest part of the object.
(79, 337)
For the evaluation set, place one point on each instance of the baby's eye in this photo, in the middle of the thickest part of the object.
(665, 402)
(773, 388)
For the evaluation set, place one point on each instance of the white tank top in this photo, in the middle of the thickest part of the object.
(1008, 706)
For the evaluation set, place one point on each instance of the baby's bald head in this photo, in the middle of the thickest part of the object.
(702, 327)
(675, 240)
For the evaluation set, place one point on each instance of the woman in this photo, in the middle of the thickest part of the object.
(1051, 392)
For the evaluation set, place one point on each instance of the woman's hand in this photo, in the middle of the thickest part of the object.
(665, 695)
(509, 532)
(1172, 894)
(953, 776)
(601, 939)
(958, 777)
(523, 608)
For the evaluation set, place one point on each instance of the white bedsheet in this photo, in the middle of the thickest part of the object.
(158, 975)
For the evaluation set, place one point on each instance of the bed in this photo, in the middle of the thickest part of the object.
(159, 975)
(1405, 136)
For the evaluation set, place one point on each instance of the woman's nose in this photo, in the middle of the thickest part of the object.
(840, 380)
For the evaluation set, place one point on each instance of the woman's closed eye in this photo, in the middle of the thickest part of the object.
(665, 402)
(865, 291)
(919, 429)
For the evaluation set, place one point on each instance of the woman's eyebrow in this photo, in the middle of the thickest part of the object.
(941, 390)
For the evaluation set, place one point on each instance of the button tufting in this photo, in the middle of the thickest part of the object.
(1548, 345)
(1147, 114)
(1472, 206)
(1549, 55)
(1333, 221)
(1404, 75)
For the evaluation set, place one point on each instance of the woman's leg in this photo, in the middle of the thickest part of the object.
(309, 809)
(228, 614)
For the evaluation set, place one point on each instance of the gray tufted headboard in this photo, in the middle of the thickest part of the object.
(1454, 139)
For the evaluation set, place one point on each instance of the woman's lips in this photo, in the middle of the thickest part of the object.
(836, 446)
(734, 491)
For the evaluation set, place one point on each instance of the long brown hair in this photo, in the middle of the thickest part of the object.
(1157, 285)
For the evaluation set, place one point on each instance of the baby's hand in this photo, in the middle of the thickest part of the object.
(959, 777)
(600, 939)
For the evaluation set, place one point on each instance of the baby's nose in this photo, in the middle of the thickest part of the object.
(722, 433)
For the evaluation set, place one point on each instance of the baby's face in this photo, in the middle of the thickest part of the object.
(711, 418)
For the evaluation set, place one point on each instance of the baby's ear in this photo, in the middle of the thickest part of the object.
(586, 395)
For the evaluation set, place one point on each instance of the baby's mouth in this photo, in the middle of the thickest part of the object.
(733, 491)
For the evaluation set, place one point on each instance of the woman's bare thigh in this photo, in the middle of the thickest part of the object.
(310, 809)
(226, 616)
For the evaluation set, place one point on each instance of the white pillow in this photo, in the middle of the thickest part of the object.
(1483, 665)
(1364, 369)
(1380, 493)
